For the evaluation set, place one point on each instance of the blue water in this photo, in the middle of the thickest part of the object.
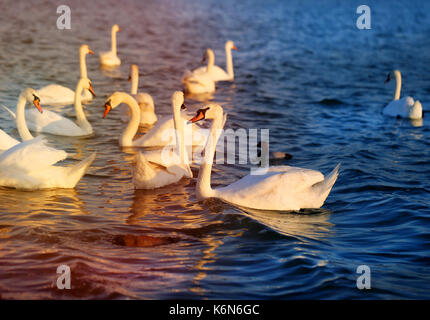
(304, 71)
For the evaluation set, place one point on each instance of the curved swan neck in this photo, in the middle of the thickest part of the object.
(211, 60)
(83, 64)
(229, 61)
(134, 81)
(113, 41)
(126, 138)
(398, 85)
(80, 115)
(203, 187)
(20, 119)
(179, 132)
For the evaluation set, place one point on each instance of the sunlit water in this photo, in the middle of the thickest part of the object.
(304, 71)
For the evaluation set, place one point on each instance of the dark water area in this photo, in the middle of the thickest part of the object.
(305, 72)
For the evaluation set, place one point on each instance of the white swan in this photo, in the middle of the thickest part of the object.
(53, 123)
(144, 100)
(158, 136)
(29, 165)
(200, 82)
(6, 141)
(405, 107)
(216, 73)
(155, 169)
(55, 94)
(280, 188)
(110, 58)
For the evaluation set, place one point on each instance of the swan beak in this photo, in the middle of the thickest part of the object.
(90, 51)
(387, 80)
(183, 107)
(36, 103)
(129, 78)
(234, 47)
(200, 116)
(203, 59)
(92, 90)
(119, 29)
(108, 108)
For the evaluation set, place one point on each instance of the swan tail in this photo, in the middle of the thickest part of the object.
(77, 171)
(324, 187)
(10, 111)
(416, 111)
(142, 172)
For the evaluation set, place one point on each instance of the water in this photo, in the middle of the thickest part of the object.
(304, 71)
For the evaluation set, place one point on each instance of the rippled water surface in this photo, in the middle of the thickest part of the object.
(304, 71)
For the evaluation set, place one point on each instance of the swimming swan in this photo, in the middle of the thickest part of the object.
(110, 58)
(405, 107)
(280, 188)
(155, 169)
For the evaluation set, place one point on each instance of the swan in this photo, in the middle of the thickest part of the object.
(144, 100)
(274, 188)
(405, 107)
(216, 73)
(53, 123)
(55, 94)
(198, 83)
(155, 169)
(29, 165)
(110, 58)
(158, 136)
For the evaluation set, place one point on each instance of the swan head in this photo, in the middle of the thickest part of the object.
(392, 75)
(134, 72)
(31, 96)
(178, 100)
(230, 45)
(210, 112)
(145, 102)
(113, 101)
(85, 49)
(115, 28)
(86, 84)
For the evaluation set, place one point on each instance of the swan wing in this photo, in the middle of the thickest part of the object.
(31, 155)
(51, 122)
(399, 107)
(56, 94)
(6, 141)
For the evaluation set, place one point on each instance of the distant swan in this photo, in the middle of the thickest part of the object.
(55, 94)
(200, 82)
(53, 123)
(29, 165)
(144, 100)
(405, 107)
(110, 58)
(216, 73)
(155, 169)
(280, 188)
(157, 136)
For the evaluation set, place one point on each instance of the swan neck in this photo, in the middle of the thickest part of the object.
(126, 138)
(229, 62)
(134, 82)
(179, 133)
(113, 41)
(203, 187)
(80, 114)
(398, 86)
(211, 61)
(83, 64)
(20, 119)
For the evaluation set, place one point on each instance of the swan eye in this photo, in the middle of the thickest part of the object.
(183, 107)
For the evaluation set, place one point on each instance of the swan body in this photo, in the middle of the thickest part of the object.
(406, 107)
(160, 133)
(54, 94)
(198, 84)
(275, 188)
(216, 73)
(110, 58)
(157, 169)
(29, 165)
(144, 100)
(53, 123)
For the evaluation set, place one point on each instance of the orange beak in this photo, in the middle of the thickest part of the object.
(36, 103)
(90, 51)
(200, 116)
(92, 90)
(119, 29)
(108, 108)
(234, 47)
